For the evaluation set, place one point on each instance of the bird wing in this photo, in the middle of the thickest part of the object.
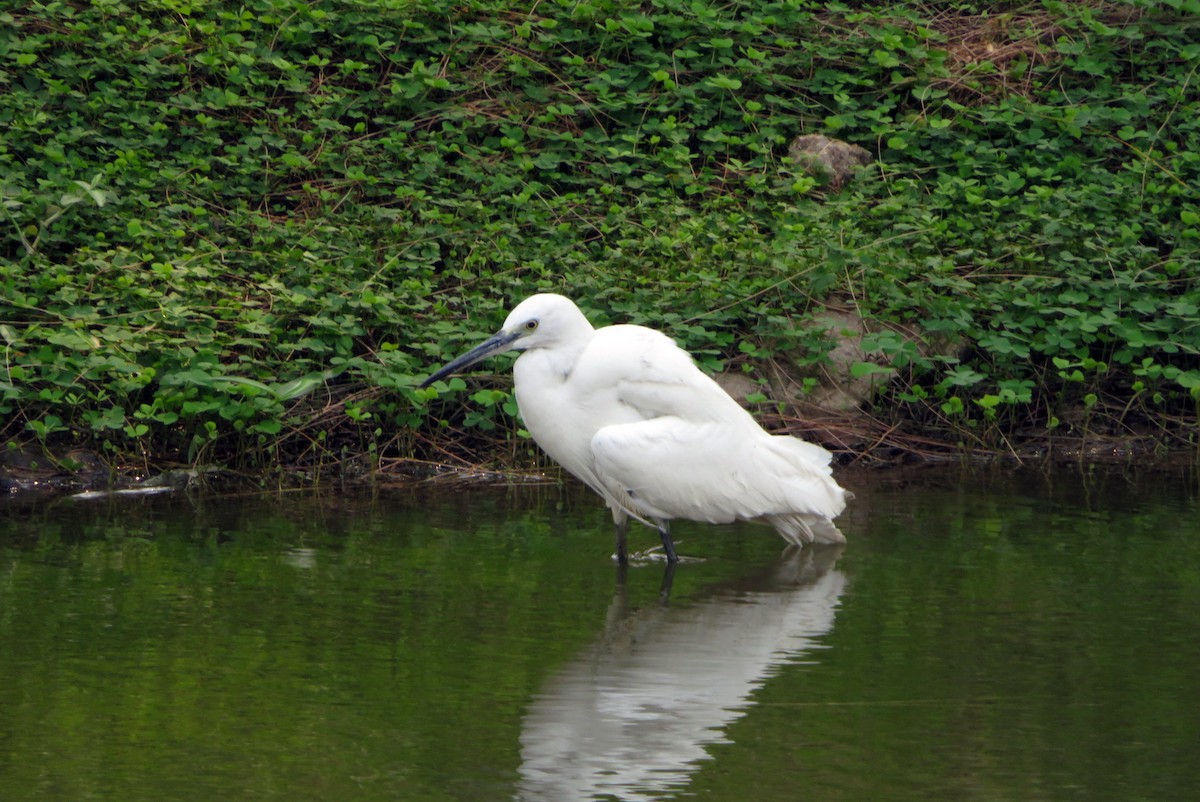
(669, 468)
(654, 377)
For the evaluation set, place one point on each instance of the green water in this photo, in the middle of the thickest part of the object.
(980, 638)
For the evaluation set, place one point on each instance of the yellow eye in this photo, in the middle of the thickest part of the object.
(531, 325)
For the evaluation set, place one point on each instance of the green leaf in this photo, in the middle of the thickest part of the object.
(110, 418)
(724, 82)
(860, 370)
(953, 406)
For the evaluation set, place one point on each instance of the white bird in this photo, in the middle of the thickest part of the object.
(625, 410)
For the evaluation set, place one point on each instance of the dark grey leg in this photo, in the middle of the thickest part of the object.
(622, 553)
(664, 587)
(664, 531)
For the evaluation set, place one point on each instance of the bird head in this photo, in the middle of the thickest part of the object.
(540, 321)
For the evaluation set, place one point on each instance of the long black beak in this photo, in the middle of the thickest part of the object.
(498, 343)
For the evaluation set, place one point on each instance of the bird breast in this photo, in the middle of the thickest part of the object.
(562, 410)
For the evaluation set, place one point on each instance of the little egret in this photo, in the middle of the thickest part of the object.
(626, 410)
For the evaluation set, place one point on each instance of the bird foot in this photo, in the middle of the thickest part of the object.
(654, 554)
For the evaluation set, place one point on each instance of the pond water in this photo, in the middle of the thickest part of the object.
(981, 637)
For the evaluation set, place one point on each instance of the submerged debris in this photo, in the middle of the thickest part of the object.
(91, 495)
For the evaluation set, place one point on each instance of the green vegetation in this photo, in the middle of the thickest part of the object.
(242, 232)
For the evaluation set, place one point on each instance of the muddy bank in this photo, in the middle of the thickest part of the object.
(30, 474)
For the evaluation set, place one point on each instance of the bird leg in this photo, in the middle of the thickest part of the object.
(664, 531)
(664, 587)
(622, 552)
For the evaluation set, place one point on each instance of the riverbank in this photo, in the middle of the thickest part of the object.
(33, 477)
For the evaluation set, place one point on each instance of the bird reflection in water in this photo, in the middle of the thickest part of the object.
(631, 717)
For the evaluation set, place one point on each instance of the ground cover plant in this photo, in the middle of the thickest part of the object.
(242, 232)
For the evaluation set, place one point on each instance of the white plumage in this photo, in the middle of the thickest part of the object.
(626, 410)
